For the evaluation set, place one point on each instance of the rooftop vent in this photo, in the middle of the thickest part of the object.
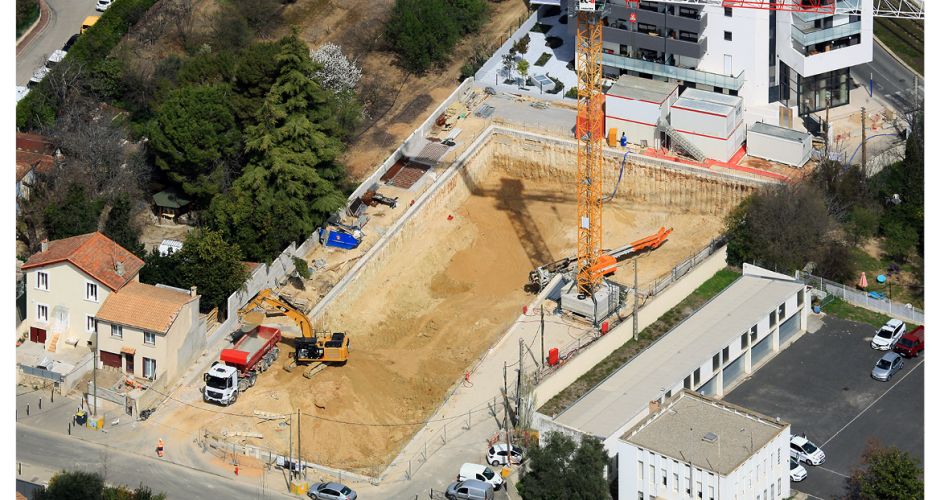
(711, 437)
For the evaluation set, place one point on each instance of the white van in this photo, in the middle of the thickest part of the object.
(481, 473)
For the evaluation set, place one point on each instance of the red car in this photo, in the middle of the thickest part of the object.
(911, 343)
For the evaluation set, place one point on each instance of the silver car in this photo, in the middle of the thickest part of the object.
(887, 366)
(331, 491)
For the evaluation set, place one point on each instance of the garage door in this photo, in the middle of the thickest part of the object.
(790, 327)
(761, 350)
(110, 359)
(734, 371)
(710, 388)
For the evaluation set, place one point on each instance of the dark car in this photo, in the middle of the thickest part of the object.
(71, 41)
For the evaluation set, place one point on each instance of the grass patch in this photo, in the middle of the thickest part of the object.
(903, 39)
(26, 12)
(553, 42)
(903, 288)
(558, 86)
(842, 309)
(711, 287)
(543, 59)
(540, 28)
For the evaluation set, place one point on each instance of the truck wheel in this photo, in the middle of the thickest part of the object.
(251, 380)
(234, 398)
(242, 384)
(275, 353)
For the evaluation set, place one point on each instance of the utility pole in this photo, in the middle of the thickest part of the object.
(864, 149)
(290, 447)
(94, 376)
(542, 332)
(636, 302)
(519, 379)
(299, 460)
(828, 135)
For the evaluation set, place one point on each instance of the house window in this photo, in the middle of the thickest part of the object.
(744, 340)
(117, 331)
(728, 11)
(716, 362)
(150, 338)
(639, 472)
(782, 311)
(91, 324)
(725, 354)
(42, 280)
(799, 298)
(150, 368)
(696, 377)
(773, 318)
(688, 382)
(42, 313)
(728, 36)
(754, 333)
(91, 291)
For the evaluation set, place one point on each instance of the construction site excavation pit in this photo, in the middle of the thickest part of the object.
(449, 281)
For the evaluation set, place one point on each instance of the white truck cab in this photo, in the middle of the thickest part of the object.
(221, 384)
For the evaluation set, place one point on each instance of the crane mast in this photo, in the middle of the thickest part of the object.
(590, 134)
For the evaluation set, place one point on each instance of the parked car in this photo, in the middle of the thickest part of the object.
(497, 454)
(55, 58)
(887, 366)
(21, 92)
(480, 473)
(911, 343)
(803, 450)
(471, 489)
(797, 471)
(888, 335)
(71, 41)
(331, 491)
(37, 77)
(103, 5)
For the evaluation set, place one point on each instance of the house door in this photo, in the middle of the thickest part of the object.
(37, 335)
(129, 363)
(728, 70)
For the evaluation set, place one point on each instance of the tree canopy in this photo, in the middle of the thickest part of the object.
(81, 485)
(214, 266)
(76, 214)
(424, 32)
(121, 227)
(886, 474)
(564, 469)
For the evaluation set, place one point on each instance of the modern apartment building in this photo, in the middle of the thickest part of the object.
(764, 56)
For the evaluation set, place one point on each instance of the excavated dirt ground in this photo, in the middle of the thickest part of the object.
(439, 302)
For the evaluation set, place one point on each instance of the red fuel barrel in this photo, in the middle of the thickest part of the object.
(553, 356)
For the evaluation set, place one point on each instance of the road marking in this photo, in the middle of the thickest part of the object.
(830, 470)
(875, 401)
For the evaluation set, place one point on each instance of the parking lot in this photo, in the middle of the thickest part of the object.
(822, 385)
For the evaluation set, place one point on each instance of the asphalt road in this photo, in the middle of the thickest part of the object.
(65, 19)
(822, 386)
(56, 452)
(892, 80)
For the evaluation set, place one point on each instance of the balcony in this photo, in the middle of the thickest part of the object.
(684, 23)
(814, 36)
(842, 6)
(686, 48)
(674, 72)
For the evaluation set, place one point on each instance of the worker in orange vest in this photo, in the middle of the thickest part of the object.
(160, 447)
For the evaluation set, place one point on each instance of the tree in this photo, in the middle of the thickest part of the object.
(80, 485)
(290, 185)
(509, 62)
(862, 223)
(835, 262)
(422, 33)
(334, 70)
(886, 474)
(121, 226)
(563, 469)
(844, 187)
(523, 67)
(163, 269)
(213, 265)
(900, 239)
(522, 45)
(194, 139)
(76, 214)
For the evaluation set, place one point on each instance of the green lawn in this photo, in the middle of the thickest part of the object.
(842, 309)
(872, 267)
(718, 282)
(543, 59)
(905, 38)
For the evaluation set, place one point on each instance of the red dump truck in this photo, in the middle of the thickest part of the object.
(238, 367)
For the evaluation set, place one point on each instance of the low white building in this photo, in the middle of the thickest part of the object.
(711, 121)
(697, 447)
(636, 106)
(710, 352)
(784, 145)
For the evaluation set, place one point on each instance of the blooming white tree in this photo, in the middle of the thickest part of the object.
(336, 72)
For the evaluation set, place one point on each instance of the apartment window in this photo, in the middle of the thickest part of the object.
(772, 492)
(665, 478)
(778, 486)
(754, 333)
(728, 36)
(150, 338)
(688, 382)
(728, 11)
(688, 486)
(42, 280)
(150, 368)
(639, 472)
(649, 29)
(696, 377)
(652, 478)
(91, 324)
(744, 340)
(675, 482)
(688, 36)
(668, 394)
(91, 291)
(799, 298)
(716, 362)
(117, 331)
(773, 318)
(782, 311)
(698, 489)
(725, 354)
(639, 495)
(42, 312)
(778, 456)
(688, 12)
(711, 493)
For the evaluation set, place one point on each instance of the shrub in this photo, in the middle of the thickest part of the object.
(424, 32)
(553, 42)
(572, 93)
(543, 59)
(522, 45)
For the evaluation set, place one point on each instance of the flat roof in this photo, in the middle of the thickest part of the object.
(634, 87)
(679, 429)
(781, 132)
(703, 106)
(625, 393)
(715, 97)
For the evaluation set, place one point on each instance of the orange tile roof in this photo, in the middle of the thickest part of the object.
(144, 306)
(93, 253)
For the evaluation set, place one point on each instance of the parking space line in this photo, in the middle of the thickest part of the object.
(874, 402)
(830, 470)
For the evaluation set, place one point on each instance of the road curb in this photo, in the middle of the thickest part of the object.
(895, 56)
(40, 23)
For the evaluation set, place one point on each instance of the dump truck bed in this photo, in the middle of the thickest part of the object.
(251, 348)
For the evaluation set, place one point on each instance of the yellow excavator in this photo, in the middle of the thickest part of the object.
(312, 347)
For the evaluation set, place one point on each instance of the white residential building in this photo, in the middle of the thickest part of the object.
(695, 447)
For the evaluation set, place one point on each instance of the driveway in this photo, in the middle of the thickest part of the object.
(822, 386)
(65, 19)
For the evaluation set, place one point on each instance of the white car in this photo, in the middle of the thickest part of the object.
(103, 5)
(55, 58)
(888, 335)
(803, 450)
(37, 77)
(797, 471)
(480, 473)
(497, 454)
(21, 92)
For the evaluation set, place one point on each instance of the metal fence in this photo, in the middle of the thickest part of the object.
(905, 312)
(36, 371)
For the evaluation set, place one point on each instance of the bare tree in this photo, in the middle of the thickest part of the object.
(182, 14)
